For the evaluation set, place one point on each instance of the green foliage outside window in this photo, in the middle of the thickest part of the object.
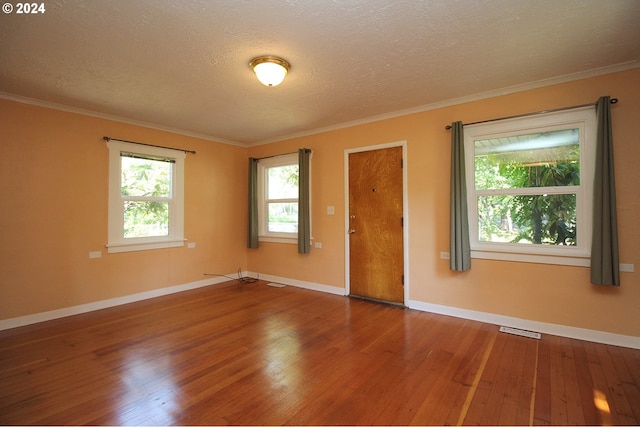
(283, 199)
(146, 191)
(540, 218)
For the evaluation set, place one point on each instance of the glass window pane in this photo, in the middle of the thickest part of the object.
(283, 217)
(146, 177)
(146, 219)
(546, 159)
(536, 219)
(283, 182)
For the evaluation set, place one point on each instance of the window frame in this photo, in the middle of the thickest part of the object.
(582, 118)
(116, 241)
(264, 235)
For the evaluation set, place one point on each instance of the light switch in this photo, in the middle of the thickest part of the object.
(331, 210)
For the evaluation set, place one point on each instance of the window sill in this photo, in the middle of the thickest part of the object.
(575, 261)
(131, 247)
(288, 240)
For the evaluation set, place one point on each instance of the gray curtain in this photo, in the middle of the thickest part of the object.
(252, 229)
(605, 264)
(304, 225)
(460, 250)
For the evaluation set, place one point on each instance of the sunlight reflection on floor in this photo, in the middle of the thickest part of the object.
(282, 352)
(600, 400)
(143, 405)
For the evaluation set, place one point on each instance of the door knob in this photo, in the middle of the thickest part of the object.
(352, 230)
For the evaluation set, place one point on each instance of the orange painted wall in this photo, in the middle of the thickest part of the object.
(53, 195)
(545, 293)
(53, 192)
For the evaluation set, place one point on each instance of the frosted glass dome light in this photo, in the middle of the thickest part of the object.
(270, 70)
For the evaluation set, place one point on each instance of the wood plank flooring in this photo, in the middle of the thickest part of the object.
(252, 354)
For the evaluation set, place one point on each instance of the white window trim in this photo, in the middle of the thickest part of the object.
(581, 118)
(116, 241)
(263, 166)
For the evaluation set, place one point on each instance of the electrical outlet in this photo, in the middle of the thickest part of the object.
(444, 255)
(627, 268)
(191, 245)
(95, 254)
(318, 245)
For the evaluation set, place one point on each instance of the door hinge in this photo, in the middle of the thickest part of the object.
(402, 278)
(401, 221)
(401, 163)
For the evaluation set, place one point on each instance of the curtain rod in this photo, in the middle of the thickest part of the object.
(107, 139)
(613, 101)
(278, 155)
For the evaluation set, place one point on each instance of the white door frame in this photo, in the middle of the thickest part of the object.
(405, 212)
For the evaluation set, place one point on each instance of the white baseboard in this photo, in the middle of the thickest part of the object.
(530, 325)
(301, 284)
(495, 319)
(99, 305)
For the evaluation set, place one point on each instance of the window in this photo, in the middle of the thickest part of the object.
(145, 197)
(278, 198)
(529, 187)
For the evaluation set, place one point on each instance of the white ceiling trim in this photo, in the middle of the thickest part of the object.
(465, 99)
(434, 106)
(119, 119)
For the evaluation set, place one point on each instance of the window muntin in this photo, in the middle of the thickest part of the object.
(278, 197)
(529, 185)
(145, 197)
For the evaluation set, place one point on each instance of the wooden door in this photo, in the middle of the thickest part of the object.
(376, 254)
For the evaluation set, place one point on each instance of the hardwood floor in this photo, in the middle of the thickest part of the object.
(255, 354)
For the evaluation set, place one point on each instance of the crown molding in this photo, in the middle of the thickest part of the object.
(114, 118)
(462, 100)
(428, 107)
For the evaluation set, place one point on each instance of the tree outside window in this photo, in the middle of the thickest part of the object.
(278, 198)
(146, 194)
(533, 162)
(146, 197)
(529, 187)
(282, 199)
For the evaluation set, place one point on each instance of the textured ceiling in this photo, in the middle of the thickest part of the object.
(183, 65)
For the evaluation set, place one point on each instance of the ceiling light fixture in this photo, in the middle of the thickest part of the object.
(270, 70)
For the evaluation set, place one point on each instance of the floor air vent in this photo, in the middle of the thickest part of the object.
(520, 332)
(276, 285)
